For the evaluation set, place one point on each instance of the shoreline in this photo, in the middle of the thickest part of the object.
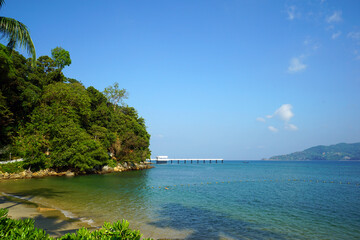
(52, 220)
(120, 167)
(56, 221)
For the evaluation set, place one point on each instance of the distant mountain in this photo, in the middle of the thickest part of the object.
(341, 151)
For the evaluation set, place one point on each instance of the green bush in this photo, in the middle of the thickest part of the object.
(14, 167)
(19, 229)
(117, 230)
(111, 163)
(24, 229)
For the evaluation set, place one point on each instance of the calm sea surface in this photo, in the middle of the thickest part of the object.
(233, 200)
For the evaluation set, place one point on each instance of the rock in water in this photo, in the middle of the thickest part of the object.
(69, 174)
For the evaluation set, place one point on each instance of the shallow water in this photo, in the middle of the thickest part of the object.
(234, 200)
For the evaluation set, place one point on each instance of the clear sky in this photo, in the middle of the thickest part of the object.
(215, 79)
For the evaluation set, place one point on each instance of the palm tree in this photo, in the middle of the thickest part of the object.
(16, 33)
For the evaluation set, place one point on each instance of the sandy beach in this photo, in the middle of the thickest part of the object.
(53, 221)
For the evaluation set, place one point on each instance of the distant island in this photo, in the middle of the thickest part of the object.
(337, 152)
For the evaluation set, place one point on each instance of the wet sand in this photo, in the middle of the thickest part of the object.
(53, 221)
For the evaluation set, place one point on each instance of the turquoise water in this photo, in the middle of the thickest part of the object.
(233, 200)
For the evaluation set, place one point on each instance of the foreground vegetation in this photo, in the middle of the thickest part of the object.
(25, 229)
(52, 121)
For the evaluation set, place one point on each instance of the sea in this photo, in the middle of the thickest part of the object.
(230, 200)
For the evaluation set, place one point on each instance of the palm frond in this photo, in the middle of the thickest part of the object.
(16, 33)
(2, 2)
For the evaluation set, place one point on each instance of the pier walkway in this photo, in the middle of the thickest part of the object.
(185, 160)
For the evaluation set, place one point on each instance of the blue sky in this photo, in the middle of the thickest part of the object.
(221, 79)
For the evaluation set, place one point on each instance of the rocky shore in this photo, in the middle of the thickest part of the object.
(121, 167)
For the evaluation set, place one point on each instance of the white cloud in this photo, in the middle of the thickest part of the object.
(335, 17)
(310, 44)
(307, 41)
(357, 54)
(336, 35)
(291, 127)
(260, 119)
(296, 65)
(354, 35)
(273, 129)
(284, 112)
(291, 12)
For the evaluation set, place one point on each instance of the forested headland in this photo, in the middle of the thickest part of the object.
(337, 152)
(52, 121)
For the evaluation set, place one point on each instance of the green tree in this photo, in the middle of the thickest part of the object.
(74, 148)
(133, 141)
(16, 33)
(32, 145)
(45, 65)
(70, 98)
(14, 69)
(6, 118)
(45, 72)
(61, 57)
(54, 121)
(115, 95)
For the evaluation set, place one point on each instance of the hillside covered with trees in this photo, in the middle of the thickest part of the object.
(341, 151)
(52, 121)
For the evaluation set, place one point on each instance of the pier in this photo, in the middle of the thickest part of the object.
(165, 160)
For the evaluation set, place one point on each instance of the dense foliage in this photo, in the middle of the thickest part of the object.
(25, 229)
(55, 122)
(341, 151)
(13, 167)
(19, 229)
